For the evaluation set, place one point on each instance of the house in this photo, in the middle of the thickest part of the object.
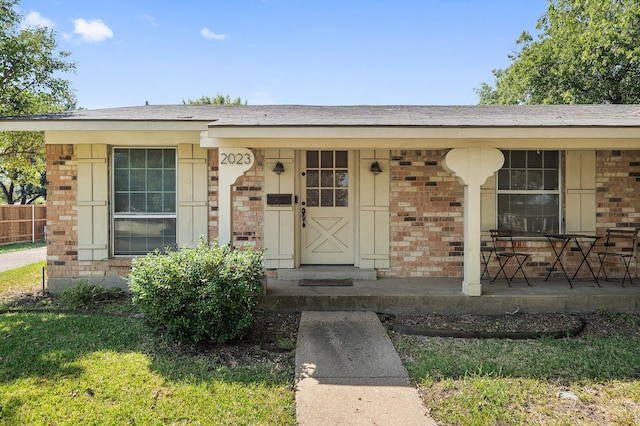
(405, 191)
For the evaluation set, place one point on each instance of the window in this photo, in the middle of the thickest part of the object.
(327, 178)
(144, 200)
(529, 192)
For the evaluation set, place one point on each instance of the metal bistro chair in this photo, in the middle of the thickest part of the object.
(621, 244)
(487, 250)
(505, 251)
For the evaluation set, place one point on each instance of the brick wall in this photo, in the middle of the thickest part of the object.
(247, 197)
(426, 217)
(618, 193)
(62, 211)
(248, 206)
(213, 194)
(618, 189)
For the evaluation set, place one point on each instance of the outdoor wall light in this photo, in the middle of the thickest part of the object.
(375, 168)
(279, 168)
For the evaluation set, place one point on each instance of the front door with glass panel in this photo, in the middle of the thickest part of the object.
(326, 208)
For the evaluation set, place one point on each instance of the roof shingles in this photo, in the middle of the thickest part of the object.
(365, 115)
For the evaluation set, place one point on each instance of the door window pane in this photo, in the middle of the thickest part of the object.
(329, 175)
(327, 159)
(326, 198)
(326, 178)
(342, 178)
(312, 160)
(342, 159)
(313, 197)
(313, 179)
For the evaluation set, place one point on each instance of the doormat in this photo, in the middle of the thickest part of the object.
(327, 283)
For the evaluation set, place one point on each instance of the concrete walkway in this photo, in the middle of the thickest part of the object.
(16, 259)
(348, 373)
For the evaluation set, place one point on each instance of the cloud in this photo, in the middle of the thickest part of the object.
(149, 20)
(34, 19)
(211, 35)
(93, 31)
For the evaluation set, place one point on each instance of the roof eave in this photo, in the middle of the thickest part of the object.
(102, 125)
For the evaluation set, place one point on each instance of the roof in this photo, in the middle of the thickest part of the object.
(353, 116)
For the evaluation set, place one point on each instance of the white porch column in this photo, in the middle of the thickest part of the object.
(232, 163)
(472, 166)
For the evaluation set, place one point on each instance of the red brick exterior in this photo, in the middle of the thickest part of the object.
(426, 213)
(426, 217)
(248, 206)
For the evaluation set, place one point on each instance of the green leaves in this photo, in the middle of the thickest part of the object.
(586, 52)
(31, 82)
(202, 294)
(215, 100)
(30, 67)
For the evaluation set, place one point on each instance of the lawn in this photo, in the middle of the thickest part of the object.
(104, 366)
(70, 369)
(593, 379)
(21, 246)
(24, 278)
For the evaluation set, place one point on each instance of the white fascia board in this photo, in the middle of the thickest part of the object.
(423, 143)
(387, 132)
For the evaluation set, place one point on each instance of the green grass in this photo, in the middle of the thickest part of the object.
(26, 277)
(21, 246)
(97, 369)
(477, 382)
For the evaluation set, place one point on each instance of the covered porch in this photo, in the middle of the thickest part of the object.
(414, 296)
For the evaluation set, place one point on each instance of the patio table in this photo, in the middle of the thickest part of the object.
(588, 242)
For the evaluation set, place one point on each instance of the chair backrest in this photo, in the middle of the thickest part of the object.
(621, 241)
(502, 239)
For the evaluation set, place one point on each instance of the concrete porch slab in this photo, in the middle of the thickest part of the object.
(408, 296)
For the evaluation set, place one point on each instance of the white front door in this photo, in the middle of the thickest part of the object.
(327, 208)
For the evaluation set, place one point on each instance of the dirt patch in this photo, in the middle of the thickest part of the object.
(595, 324)
(271, 338)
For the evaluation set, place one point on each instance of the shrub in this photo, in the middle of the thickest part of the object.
(201, 294)
(87, 295)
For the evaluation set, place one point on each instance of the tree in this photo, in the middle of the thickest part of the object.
(586, 52)
(30, 83)
(216, 100)
(22, 167)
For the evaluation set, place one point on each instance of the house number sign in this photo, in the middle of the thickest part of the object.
(235, 158)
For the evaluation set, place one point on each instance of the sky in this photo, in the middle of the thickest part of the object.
(310, 52)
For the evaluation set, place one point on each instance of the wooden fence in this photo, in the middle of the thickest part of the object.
(22, 223)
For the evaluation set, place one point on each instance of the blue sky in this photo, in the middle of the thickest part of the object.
(315, 52)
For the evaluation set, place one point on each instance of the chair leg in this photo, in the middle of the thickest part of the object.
(502, 265)
(602, 268)
(485, 262)
(520, 264)
(519, 268)
(627, 263)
